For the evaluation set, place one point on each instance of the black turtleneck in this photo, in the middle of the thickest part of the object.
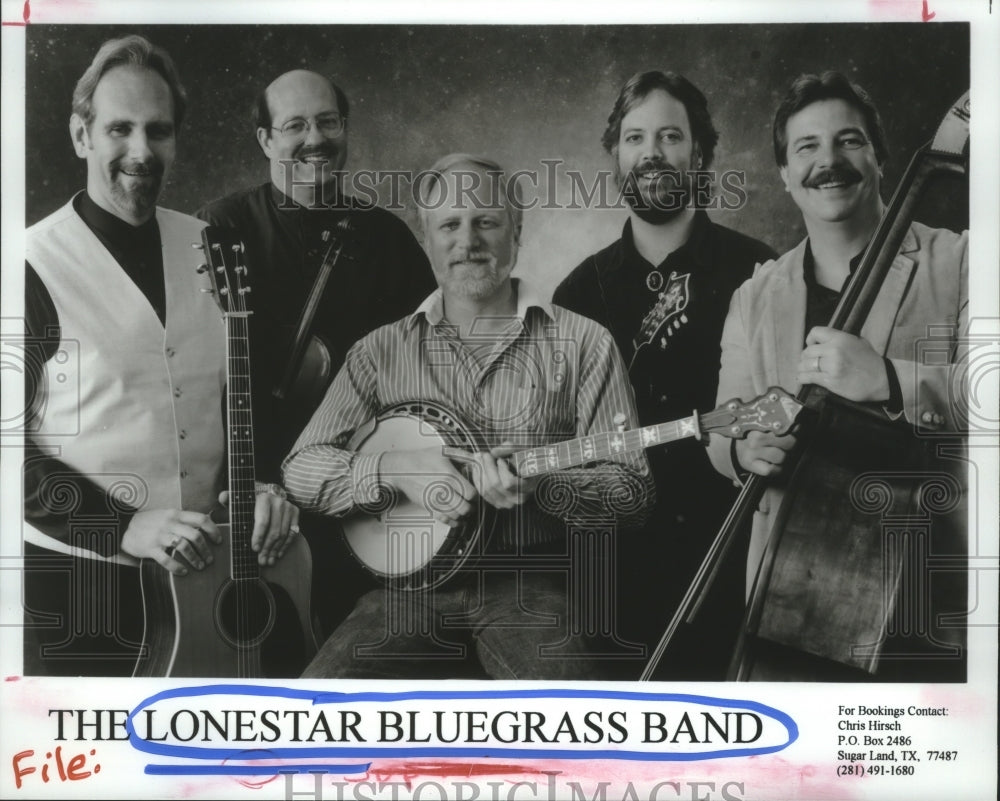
(137, 250)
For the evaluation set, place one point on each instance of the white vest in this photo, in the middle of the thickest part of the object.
(134, 406)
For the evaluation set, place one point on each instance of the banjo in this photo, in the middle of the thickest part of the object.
(399, 541)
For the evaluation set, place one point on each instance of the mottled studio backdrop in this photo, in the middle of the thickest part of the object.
(522, 94)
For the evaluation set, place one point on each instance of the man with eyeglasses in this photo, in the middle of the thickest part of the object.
(301, 125)
(830, 149)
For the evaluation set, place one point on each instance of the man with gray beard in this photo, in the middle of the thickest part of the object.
(522, 374)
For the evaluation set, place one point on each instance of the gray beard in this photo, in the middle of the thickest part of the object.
(137, 201)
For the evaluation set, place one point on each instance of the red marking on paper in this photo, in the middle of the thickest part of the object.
(760, 776)
(927, 15)
(894, 9)
(54, 766)
(256, 782)
(12, 678)
(409, 770)
(26, 14)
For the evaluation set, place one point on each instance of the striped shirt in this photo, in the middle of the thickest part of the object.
(546, 376)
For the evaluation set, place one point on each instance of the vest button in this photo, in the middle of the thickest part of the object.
(177, 392)
(184, 473)
(183, 434)
(171, 352)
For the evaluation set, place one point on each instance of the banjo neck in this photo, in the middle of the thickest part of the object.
(595, 447)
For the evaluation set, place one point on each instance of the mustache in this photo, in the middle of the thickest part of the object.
(152, 167)
(471, 255)
(327, 151)
(653, 165)
(847, 175)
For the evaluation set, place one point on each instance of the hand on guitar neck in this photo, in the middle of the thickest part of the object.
(180, 540)
(416, 473)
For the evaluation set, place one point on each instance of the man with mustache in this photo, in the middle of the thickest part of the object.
(830, 149)
(522, 373)
(301, 125)
(663, 290)
(125, 450)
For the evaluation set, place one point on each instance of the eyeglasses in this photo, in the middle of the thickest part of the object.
(330, 125)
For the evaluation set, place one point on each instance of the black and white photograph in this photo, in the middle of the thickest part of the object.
(500, 404)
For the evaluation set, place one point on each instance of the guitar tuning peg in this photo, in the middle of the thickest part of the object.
(197, 246)
(201, 268)
(207, 291)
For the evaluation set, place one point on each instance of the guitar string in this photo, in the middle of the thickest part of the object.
(242, 491)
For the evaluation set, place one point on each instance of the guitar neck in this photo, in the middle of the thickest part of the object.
(242, 488)
(574, 452)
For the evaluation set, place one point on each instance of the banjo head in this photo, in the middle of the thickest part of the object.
(399, 540)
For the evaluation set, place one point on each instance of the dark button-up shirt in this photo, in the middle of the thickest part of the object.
(382, 275)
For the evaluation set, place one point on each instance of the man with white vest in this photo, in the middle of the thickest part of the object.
(125, 437)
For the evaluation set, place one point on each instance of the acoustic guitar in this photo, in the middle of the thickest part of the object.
(234, 618)
(400, 542)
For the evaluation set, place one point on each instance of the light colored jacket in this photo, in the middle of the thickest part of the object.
(917, 321)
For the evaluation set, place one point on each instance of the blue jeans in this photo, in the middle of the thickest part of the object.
(516, 622)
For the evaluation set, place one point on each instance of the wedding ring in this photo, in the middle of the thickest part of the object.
(294, 529)
(818, 368)
(172, 547)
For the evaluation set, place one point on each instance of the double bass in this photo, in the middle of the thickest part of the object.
(863, 576)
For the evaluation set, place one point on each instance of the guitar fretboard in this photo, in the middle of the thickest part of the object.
(242, 489)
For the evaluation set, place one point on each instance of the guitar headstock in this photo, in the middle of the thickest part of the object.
(774, 411)
(226, 268)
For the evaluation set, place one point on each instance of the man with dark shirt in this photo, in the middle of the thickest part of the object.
(663, 290)
(830, 149)
(381, 275)
(125, 434)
